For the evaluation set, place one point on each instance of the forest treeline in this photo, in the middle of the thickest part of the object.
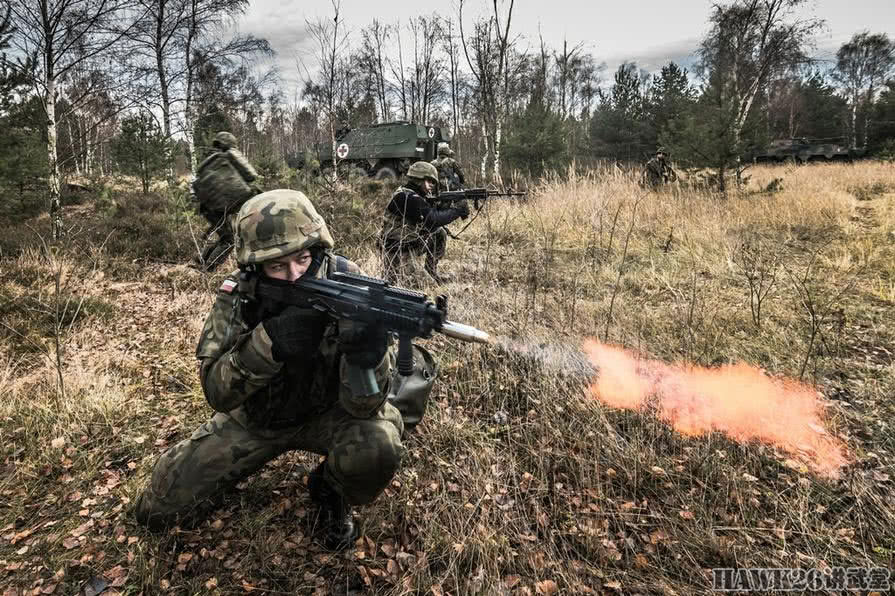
(93, 87)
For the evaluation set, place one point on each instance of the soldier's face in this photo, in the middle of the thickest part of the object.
(288, 268)
(428, 186)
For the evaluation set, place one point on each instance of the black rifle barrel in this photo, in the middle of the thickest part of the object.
(476, 194)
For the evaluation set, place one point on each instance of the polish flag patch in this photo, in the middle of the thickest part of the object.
(228, 286)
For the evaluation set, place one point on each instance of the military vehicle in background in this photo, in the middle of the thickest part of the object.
(804, 150)
(381, 150)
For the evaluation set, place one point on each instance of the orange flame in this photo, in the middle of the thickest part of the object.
(738, 400)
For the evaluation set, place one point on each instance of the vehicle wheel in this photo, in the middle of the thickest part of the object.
(385, 173)
(357, 172)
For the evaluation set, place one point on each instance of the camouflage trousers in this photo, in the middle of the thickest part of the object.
(362, 456)
(401, 241)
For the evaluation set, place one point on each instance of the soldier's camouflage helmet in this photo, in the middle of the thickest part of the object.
(450, 152)
(224, 140)
(661, 151)
(277, 223)
(423, 170)
(444, 150)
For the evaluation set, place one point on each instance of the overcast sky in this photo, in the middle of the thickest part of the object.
(649, 32)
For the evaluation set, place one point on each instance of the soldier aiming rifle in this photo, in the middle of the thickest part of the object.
(296, 353)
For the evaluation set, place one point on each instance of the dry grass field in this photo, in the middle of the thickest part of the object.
(529, 475)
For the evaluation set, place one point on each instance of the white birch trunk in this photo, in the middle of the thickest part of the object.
(88, 153)
(100, 156)
(53, 158)
(485, 152)
(497, 132)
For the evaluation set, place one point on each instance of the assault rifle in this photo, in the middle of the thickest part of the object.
(476, 195)
(406, 313)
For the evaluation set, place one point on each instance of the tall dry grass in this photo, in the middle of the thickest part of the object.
(517, 481)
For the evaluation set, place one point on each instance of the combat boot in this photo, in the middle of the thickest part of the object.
(339, 527)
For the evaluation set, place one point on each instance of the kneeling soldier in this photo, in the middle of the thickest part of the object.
(275, 375)
(414, 223)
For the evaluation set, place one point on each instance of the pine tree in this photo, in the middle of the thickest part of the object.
(141, 148)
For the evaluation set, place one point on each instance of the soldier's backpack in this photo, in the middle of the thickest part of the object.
(220, 186)
(444, 177)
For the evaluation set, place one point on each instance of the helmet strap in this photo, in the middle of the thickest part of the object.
(317, 255)
(248, 282)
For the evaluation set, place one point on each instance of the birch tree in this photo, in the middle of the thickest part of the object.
(487, 52)
(748, 41)
(862, 65)
(426, 87)
(203, 41)
(374, 41)
(451, 50)
(63, 34)
(331, 41)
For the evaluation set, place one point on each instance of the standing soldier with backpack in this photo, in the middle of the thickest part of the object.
(450, 174)
(224, 181)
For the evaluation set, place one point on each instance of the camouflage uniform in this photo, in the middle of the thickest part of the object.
(230, 179)
(413, 225)
(265, 407)
(450, 174)
(657, 172)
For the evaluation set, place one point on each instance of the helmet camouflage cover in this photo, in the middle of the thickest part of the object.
(662, 151)
(277, 223)
(422, 170)
(225, 139)
(444, 149)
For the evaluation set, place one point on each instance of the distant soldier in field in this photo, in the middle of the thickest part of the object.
(277, 376)
(224, 181)
(414, 224)
(657, 172)
(450, 174)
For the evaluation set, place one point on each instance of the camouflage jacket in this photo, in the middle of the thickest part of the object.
(450, 174)
(409, 216)
(238, 368)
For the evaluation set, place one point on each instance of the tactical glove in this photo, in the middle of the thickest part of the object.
(294, 332)
(462, 209)
(363, 345)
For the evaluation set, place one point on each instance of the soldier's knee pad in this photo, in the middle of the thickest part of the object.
(363, 469)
